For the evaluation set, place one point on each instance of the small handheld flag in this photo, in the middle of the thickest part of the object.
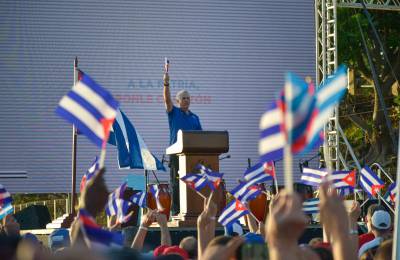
(118, 207)
(6, 209)
(90, 173)
(195, 181)
(139, 198)
(391, 193)
(233, 211)
(5, 197)
(96, 237)
(370, 182)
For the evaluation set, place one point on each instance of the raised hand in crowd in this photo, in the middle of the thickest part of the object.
(285, 224)
(335, 221)
(148, 219)
(206, 223)
(165, 235)
(219, 252)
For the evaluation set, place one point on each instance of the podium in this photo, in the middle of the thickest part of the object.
(192, 148)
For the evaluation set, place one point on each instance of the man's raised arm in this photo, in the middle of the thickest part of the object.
(167, 93)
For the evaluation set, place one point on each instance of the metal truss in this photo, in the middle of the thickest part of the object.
(326, 56)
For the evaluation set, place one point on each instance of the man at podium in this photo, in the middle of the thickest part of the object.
(178, 118)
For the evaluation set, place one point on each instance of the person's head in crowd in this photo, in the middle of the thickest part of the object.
(370, 211)
(381, 223)
(384, 251)
(225, 247)
(79, 253)
(170, 250)
(10, 226)
(183, 100)
(59, 238)
(323, 250)
(189, 244)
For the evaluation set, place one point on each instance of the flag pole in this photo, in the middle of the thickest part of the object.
(396, 244)
(287, 153)
(275, 180)
(74, 151)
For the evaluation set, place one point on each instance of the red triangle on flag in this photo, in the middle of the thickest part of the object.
(350, 178)
(269, 168)
(239, 206)
(107, 123)
(375, 189)
(216, 183)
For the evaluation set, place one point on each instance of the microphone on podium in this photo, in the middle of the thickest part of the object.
(226, 157)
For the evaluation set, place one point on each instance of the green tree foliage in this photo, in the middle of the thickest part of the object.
(361, 115)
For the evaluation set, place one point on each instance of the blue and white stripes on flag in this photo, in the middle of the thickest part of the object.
(391, 193)
(272, 137)
(313, 177)
(196, 181)
(344, 181)
(214, 178)
(89, 173)
(119, 208)
(90, 108)
(139, 198)
(257, 173)
(94, 236)
(5, 197)
(311, 206)
(133, 153)
(327, 97)
(233, 211)
(302, 105)
(6, 209)
(274, 133)
(370, 182)
(244, 192)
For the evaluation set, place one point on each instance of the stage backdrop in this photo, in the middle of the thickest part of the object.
(230, 55)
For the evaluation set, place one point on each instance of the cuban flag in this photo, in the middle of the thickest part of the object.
(313, 177)
(274, 134)
(327, 96)
(244, 192)
(5, 197)
(344, 179)
(6, 209)
(391, 193)
(214, 178)
(370, 182)
(139, 198)
(90, 173)
(196, 181)
(96, 237)
(119, 208)
(233, 211)
(155, 192)
(258, 174)
(133, 152)
(90, 107)
(311, 206)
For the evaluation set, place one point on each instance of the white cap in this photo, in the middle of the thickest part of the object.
(381, 219)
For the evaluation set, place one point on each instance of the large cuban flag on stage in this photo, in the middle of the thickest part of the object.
(132, 151)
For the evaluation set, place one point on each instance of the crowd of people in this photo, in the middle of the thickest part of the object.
(277, 238)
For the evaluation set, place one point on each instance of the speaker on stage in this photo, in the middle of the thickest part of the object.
(33, 217)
